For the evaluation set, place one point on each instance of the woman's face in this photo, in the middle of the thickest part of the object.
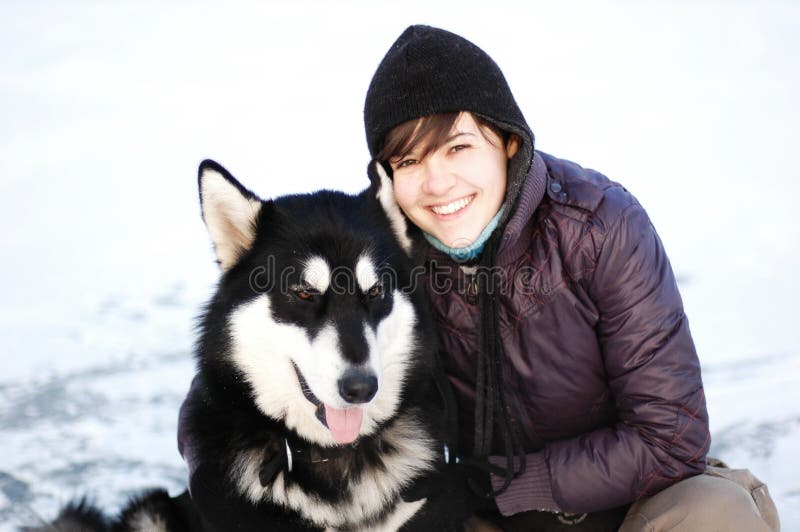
(455, 191)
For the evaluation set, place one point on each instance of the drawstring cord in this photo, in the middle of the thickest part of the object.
(490, 403)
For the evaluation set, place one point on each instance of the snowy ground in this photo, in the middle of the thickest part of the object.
(108, 107)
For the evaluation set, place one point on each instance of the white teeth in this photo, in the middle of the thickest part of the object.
(450, 208)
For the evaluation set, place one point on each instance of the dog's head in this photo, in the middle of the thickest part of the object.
(312, 315)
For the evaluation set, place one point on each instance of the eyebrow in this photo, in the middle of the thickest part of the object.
(445, 141)
(451, 137)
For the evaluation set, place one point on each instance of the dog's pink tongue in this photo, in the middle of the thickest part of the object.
(344, 424)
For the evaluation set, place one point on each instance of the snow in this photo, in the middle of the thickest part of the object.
(108, 107)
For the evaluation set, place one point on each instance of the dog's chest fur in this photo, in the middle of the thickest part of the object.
(349, 490)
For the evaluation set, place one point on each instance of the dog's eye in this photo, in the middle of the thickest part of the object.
(304, 294)
(375, 291)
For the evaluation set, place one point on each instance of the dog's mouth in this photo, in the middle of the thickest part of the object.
(344, 423)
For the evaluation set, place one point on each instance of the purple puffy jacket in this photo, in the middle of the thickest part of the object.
(601, 373)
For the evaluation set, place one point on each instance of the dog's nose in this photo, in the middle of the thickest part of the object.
(358, 386)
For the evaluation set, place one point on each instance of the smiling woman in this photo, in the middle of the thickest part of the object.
(578, 386)
(450, 176)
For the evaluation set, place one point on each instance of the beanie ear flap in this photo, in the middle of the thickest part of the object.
(381, 185)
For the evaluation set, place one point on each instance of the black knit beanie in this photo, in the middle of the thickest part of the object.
(429, 70)
(426, 71)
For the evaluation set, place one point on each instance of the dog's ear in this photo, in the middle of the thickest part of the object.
(381, 186)
(229, 210)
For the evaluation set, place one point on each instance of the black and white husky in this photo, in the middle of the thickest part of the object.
(315, 406)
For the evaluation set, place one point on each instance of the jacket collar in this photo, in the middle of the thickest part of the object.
(518, 225)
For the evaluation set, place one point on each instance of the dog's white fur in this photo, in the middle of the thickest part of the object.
(366, 274)
(229, 216)
(317, 274)
(396, 217)
(369, 495)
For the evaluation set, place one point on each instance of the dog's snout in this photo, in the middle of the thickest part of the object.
(358, 386)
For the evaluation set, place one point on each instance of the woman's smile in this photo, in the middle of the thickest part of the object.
(448, 210)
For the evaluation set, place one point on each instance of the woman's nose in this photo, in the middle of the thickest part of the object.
(438, 179)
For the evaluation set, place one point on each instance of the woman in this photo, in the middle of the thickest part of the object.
(564, 335)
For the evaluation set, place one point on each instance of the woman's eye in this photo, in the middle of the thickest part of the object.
(458, 147)
(405, 163)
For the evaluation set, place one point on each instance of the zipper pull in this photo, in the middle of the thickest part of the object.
(472, 284)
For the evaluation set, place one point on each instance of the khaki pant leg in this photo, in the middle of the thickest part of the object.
(722, 499)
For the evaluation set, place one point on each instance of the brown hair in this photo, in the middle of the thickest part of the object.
(432, 130)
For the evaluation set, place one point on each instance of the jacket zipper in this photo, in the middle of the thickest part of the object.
(472, 284)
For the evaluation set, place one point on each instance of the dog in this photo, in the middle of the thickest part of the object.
(318, 402)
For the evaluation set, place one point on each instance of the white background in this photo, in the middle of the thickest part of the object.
(107, 108)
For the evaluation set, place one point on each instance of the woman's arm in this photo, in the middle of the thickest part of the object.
(653, 372)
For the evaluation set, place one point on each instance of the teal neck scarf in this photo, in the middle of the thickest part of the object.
(471, 251)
